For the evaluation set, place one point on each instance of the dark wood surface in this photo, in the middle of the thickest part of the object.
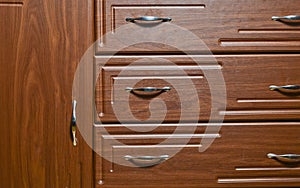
(239, 155)
(224, 26)
(247, 79)
(252, 52)
(10, 31)
(41, 44)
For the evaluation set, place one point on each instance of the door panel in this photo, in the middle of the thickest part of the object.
(37, 67)
(10, 23)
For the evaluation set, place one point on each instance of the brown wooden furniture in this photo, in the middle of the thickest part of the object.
(255, 44)
(257, 51)
(41, 43)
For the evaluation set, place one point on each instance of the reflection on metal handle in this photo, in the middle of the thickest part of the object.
(146, 161)
(73, 125)
(148, 19)
(74, 104)
(289, 87)
(289, 17)
(286, 158)
(148, 89)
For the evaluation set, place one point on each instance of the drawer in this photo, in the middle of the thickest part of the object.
(248, 83)
(250, 88)
(235, 159)
(257, 165)
(224, 26)
(152, 93)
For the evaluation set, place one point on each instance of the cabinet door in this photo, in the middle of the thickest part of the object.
(40, 43)
(10, 23)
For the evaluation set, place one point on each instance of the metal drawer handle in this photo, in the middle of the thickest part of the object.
(148, 19)
(289, 87)
(286, 158)
(146, 161)
(289, 17)
(73, 123)
(148, 89)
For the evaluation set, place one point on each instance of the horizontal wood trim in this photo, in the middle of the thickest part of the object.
(11, 4)
(257, 43)
(259, 180)
(266, 169)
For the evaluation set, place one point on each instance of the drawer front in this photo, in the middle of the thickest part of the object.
(252, 162)
(164, 95)
(235, 159)
(250, 88)
(224, 26)
(249, 80)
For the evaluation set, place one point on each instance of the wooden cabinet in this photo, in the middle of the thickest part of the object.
(143, 138)
(41, 42)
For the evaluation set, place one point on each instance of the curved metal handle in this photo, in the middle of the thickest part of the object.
(289, 17)
(74, 104)
(286, 158)
(146, 161)
(148, 19)
(288, 87)
(148, 89)
(73, 123)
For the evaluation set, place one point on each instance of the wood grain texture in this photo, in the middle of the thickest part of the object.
(41, 44)
(10, 24)
(242, 145)
(219, 24)
(11, 2)
(247, 79)
(179, 97)
(258, 121)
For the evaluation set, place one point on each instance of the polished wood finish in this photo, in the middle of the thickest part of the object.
(247, 79)
(249, 49)
(239, 154)
(183, 86)
(224, 26)
(10, 25)
(41, 44)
